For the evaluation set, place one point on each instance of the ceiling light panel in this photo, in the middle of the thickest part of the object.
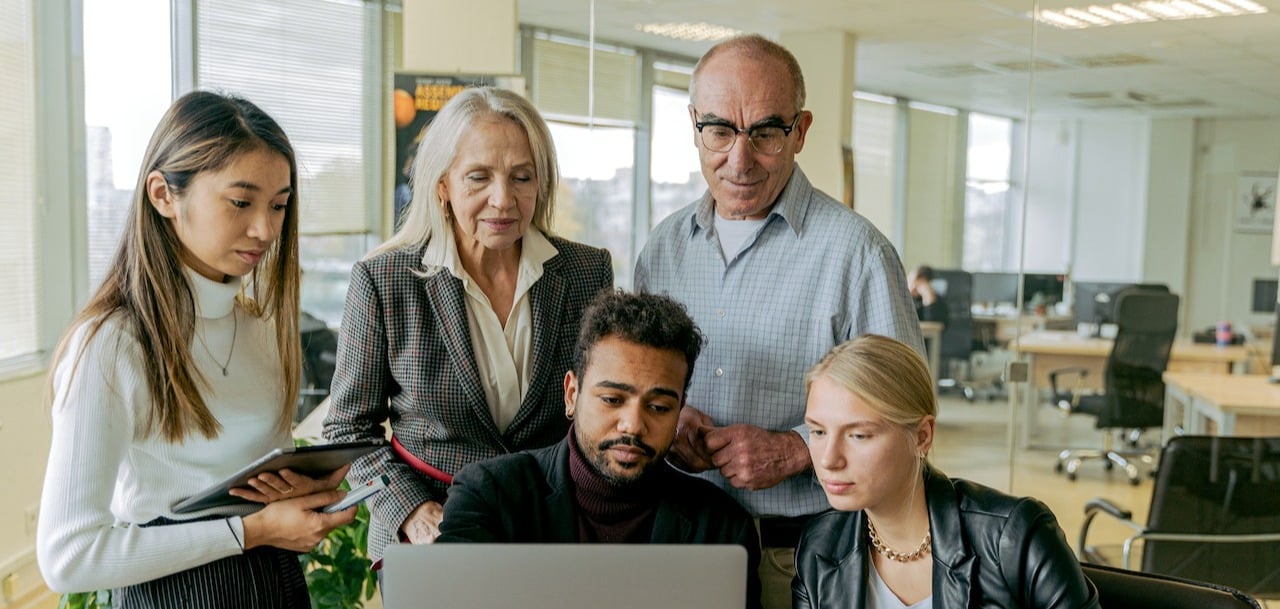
(1103, 15)
(693, 32)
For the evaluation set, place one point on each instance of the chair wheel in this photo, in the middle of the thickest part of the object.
(1071, 476)
(1057, 467)
(1135, 481)
(1109, 465)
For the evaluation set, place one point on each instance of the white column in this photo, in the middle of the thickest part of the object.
(827, 59)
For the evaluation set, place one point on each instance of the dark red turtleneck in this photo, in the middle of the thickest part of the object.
(609, 512)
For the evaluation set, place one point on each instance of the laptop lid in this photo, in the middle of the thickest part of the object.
(564, 576)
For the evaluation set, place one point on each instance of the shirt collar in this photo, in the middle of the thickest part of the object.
(535, 251)
(213, 300)
(792, 205)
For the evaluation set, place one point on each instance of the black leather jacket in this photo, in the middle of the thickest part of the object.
(989, 550)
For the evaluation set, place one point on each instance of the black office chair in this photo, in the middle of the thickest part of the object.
(1133, 398)
(1215, 515)
(1121, 589)
(319, 359)
(955, 287)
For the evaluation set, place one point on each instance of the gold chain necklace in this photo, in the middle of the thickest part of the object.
(893, 554)
(235, 327)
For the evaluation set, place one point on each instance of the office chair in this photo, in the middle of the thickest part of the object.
(1215, 514)
(955, 287)
(319, 359)
(1121, 589)
(1134, 390)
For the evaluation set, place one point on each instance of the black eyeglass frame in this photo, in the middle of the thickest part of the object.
(786, 131)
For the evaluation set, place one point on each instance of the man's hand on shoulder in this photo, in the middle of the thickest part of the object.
(754, 458)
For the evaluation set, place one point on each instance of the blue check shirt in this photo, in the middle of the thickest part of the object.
(814, 275)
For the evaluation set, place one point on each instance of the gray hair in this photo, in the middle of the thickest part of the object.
(426, 215)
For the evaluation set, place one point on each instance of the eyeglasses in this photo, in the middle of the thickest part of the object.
(720, 136)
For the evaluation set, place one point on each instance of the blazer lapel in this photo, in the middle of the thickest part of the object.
(955, 568)
(445, 294)
(563, 527)
(546, 303)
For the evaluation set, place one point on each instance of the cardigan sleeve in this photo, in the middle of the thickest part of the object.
(99, 392)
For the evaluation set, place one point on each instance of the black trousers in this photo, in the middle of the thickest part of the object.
(262, 578)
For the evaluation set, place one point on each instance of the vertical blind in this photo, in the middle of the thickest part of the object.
(302, 61)
(18, 323)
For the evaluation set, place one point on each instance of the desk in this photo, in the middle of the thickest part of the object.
(1216, 404)
(932, 333)
(1049, 350)
(1001, 329)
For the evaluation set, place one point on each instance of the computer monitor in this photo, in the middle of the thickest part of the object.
(994, 288)
(556, 576)
(1264, 296)
(1094, 301)
(1048, 285)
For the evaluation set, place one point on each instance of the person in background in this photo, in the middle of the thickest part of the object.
(459, 329)
(775, 272)
(903, 534)
(608, 481)
(929, 305)
(182, 368)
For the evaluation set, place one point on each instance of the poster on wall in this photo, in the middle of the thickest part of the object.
(416, 100)
(1255, 203)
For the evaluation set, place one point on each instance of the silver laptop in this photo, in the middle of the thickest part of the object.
(564, 576)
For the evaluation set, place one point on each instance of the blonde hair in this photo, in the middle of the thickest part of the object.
(426, 214)
(147, 287)
(755, 47)
(886, 374)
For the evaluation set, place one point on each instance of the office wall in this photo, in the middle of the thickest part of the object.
(1051, 176)
(1223, 260)
(24, 446)
(1111, 195)
(934, 218)
(1169, 182)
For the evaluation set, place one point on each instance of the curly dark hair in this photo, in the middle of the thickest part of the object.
(651, 320)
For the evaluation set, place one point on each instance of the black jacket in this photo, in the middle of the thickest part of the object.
(989, 550)
(527, 497)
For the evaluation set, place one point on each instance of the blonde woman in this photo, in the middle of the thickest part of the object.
(181, 369)
(903, 534)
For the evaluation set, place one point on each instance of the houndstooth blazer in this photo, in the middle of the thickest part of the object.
(405, 356)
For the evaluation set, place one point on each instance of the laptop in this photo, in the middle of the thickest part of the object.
(564, 576)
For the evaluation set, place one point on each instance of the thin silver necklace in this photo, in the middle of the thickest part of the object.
(235, 326)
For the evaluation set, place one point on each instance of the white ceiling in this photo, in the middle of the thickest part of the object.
(974, 54)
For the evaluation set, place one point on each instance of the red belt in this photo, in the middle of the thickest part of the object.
(423, 467)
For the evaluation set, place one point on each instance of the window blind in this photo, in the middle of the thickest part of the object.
(18, 322)
(560, 76)
(302, 62)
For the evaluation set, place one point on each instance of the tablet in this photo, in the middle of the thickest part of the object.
(314, 461)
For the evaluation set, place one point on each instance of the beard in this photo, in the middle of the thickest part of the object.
(622, 474)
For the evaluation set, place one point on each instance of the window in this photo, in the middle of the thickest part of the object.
(127, 88)
(594, 205)
(305, 63)
(675, 174)
(875, 160)
(990, 229)
(18, 320)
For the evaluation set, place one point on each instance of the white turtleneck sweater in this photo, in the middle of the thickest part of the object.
(105, 475)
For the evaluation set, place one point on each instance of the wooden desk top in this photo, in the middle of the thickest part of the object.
(931, 327)
(1051, 342)
(1239, 393)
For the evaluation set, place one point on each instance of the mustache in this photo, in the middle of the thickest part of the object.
(632, 441)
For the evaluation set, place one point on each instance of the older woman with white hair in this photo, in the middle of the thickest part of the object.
(903, 534)
(459, 329)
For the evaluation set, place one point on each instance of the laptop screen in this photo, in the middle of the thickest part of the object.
(564, 576)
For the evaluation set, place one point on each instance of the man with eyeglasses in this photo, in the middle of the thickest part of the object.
(775, 272)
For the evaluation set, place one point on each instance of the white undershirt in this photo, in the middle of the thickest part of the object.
(733, 235)
(504, 352)
(879, 596)
(104, 475)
